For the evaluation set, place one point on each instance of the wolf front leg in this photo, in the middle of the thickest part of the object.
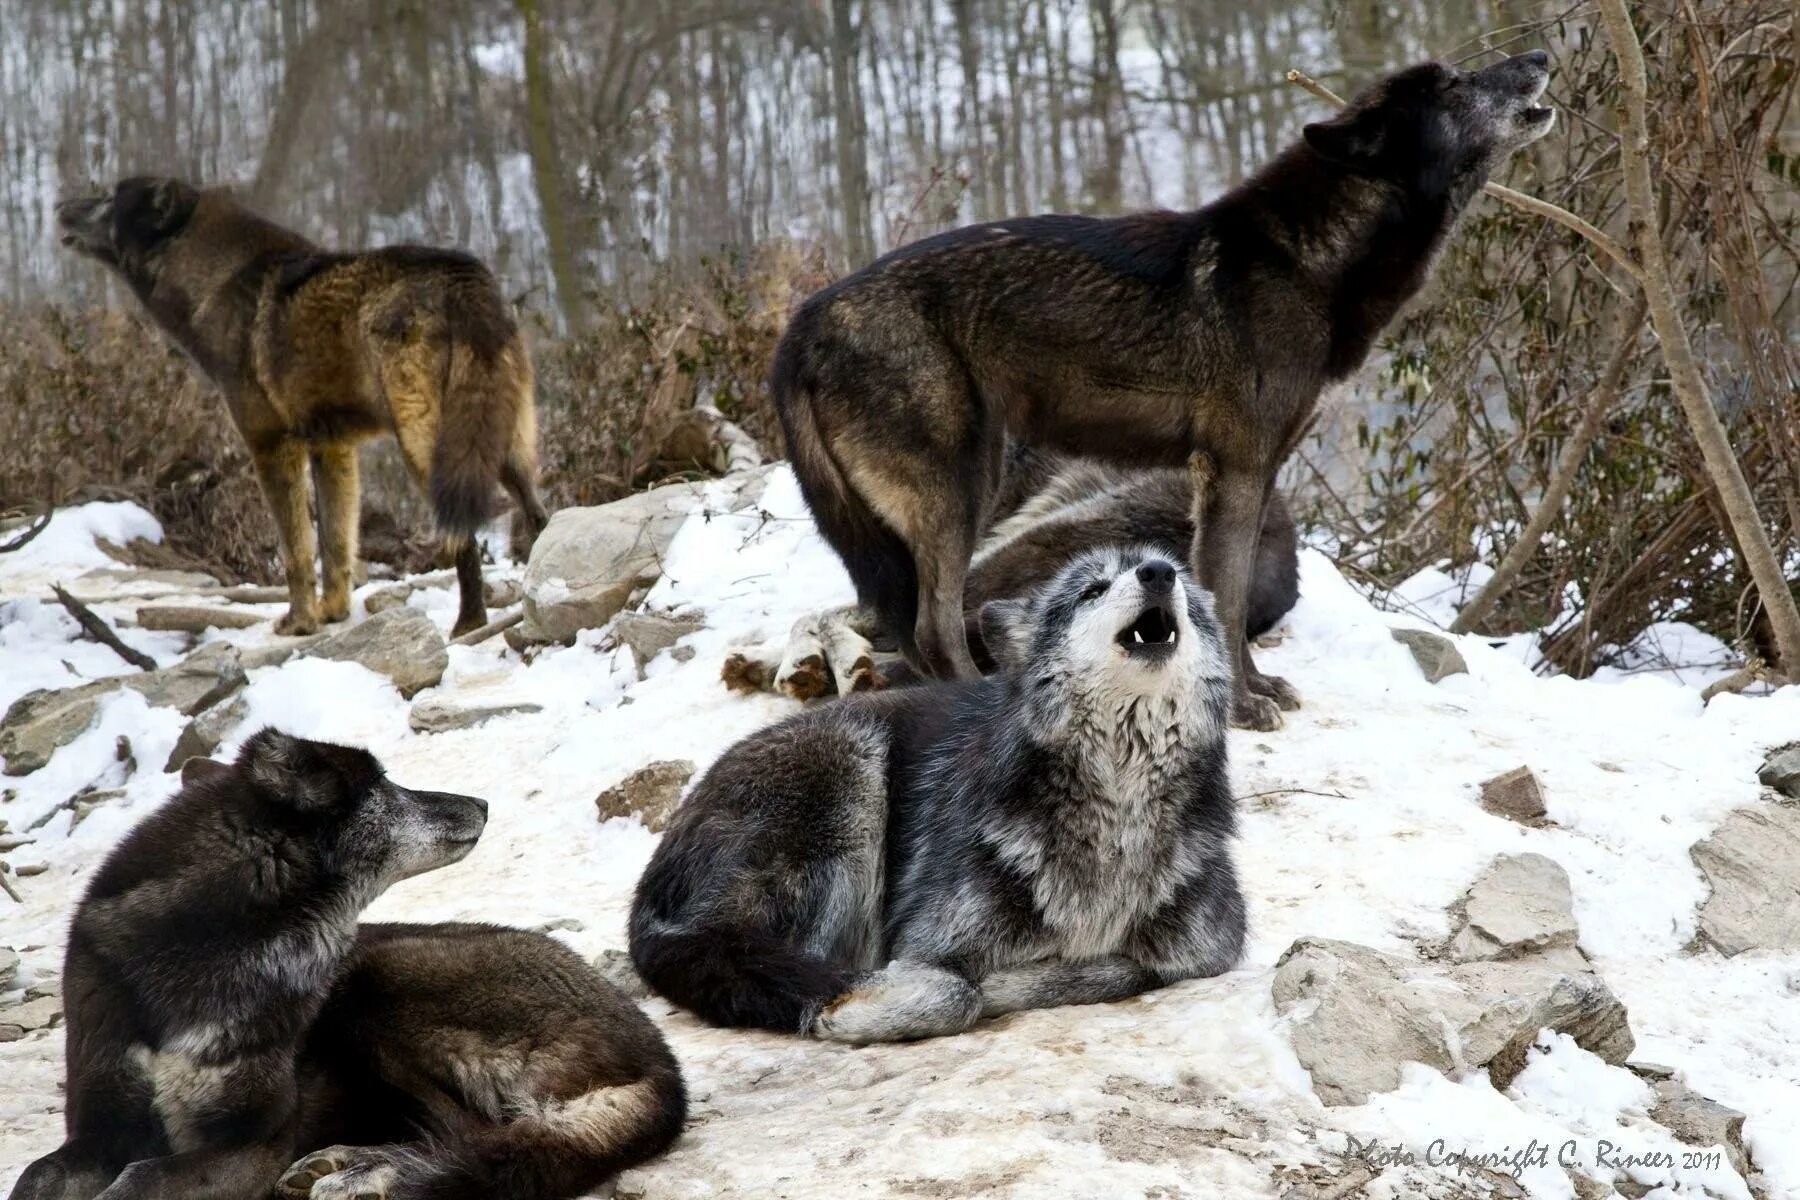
(1056, 983)
(238, 1173)
(282, 469)
(902, 1002)
(1224, 547)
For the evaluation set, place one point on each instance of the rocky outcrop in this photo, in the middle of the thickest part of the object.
(1521, 905)
(1356, 1015)
(1436, 654)
(402, 643)
(205, 732)
(650, 793)
(588, 562)
(1752, 862)
(649, 634)
(39, 723)
(1516, 795)
(440, 715)
(1781, 770)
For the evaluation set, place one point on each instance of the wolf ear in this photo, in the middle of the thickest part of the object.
(1006, 629)
(200, 769)
(285, 767)
(1349, 139)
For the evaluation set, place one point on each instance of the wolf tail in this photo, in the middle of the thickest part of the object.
(562, 1149)
(880, 563)
(756, 982)
(487, 423)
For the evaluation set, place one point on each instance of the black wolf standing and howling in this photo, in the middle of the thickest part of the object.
(1199, 339)
(898, 865)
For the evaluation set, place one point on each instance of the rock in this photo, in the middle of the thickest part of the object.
(1357, 1014)
(205, 732)
(1516, 795)
(392, 596)
(9, 966)
(649, 634)
(650, 793)
(437, 715)
(41, 722)
(274, 653)
(1781, 770)
(402, 643)
(1520, 905)
(1699, 1121)
(615, 967)
(103, 583)
(1436, 654)
(43, 1013)
(588, 562)
(194, 618)
(702, 436)
(502, 593)
(1752, 861)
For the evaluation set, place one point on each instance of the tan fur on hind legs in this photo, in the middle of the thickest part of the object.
(283, 470)
(340, 511)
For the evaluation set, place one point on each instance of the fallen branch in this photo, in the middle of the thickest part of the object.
(7, 884)
(194, 618)
(489, 630)
(100, 631)
(38, 524)
(1599, 238)
(1745, 676)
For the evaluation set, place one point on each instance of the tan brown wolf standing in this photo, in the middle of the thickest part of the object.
(1201, 339)
(317, 352)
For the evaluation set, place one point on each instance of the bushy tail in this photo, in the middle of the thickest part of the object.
(880, 563)
(565, 1150)
(752, 980)
(486, 409)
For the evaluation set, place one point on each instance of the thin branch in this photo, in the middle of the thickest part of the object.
(1599, 238)
(38, 524)
(96, 628)
(489, 630)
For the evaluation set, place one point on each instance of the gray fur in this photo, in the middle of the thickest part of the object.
(893, 866)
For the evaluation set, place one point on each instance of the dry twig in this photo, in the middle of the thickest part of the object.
(96, 628)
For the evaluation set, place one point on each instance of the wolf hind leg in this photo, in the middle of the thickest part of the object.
(283, 470)
(70, 1172)
(901, 1002)
(1057, 983)
(353, 1172)
(335, 469)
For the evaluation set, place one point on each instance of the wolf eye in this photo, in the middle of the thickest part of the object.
(1095, 590)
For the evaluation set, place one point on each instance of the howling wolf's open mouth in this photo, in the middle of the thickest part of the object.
(1153, 635)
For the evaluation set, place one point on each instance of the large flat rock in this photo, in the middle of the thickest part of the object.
(40, 723)
(1357, 1015)
(1752, 861)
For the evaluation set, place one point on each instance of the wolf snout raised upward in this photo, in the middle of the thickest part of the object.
(1199, 339)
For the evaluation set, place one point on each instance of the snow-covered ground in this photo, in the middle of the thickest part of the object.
(1359, 821)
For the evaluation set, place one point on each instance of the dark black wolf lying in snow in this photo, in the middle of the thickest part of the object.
(899, 865)
(225, 1014)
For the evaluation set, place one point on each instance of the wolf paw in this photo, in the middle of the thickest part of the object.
(335, 609)
(295, 623)
(298, 1181)
(1273, 687)
(1250, 711)
(340, 1173)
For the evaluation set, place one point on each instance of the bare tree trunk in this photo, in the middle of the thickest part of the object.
(1678, 352)
(851, 136)
(1525, 548)
(546, 162)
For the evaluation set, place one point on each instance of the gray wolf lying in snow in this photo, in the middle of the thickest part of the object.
(225, 1014)
(1200, 340)
(901, 864)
